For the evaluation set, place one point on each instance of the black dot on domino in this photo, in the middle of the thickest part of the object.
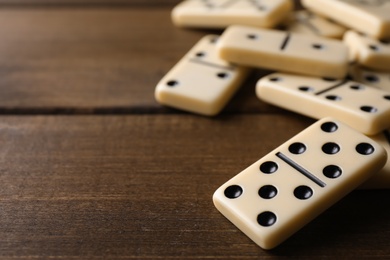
(371, 78)
(369, 109)
(365, 148)
(222, 75)
(373, 47)
(306, 89)
(329, 79)
(268, 167)
(266, 219)
(303, 192)
(387, 97)
(329, 127)
(332, 171)
(274, 79)
(252, 36)
(297, 148)
(200, 54)
(317, 46)
(268, 192)
(214, 40)
(330, 148)
(356, 87)
(172, 83)
(386, 41)
(233, 191)
(333, 97)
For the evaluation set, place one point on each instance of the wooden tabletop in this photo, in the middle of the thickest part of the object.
(92, 167)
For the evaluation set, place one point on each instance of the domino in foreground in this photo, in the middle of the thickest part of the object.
(200, 82)
(277, 195)
(364, 108)
(381, 180)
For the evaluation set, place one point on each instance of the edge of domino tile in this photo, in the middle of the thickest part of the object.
(337, 10)
(350, 40)
(325, 202)
(381, 179)
(181, 18)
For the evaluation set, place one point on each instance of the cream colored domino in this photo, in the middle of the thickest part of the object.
(364, 108)
(283, 51)
(304, 21)
(200, 82)
(368, 16)
(280, 193)
(222, 13)
(368, 51)
(381, 180)
(378, 79)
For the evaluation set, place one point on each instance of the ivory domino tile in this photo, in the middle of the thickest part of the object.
(368, 16)
(219, 14)
(284, 51)
(365, 108)
(200, 82)
(367, 51)
(304, 21)
(283, 191)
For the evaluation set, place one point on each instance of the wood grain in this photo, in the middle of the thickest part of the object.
(96, 3)
(87, 3)
(136, 182)
(140, 186)
(94, 61)
(85, 59)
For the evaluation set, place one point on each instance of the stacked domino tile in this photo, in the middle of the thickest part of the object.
(313, 54)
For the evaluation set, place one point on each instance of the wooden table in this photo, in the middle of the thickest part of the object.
(93, 168)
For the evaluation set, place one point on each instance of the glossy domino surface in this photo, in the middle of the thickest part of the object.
(378, 79)
(222, 13)
(365, 108)
(200, 82)
(280, 193)
(306, 22)
(284, 51)
(367, 51)
(368, 16)
(381, 179)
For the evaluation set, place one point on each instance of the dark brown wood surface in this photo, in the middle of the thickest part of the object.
(141, 185)
(86, 3)
(93, 168)
(93, 60)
